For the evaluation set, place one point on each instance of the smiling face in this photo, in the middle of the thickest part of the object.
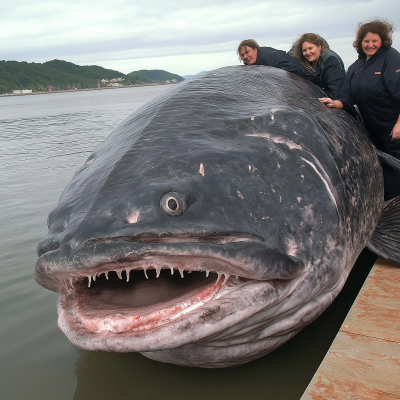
(248, 55)
(371, 44)
(311, 52)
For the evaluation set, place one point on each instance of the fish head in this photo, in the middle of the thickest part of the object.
(206, 230)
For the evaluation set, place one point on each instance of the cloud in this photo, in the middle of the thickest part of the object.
(176, 36)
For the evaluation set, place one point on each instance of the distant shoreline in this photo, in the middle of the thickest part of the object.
(85, 90)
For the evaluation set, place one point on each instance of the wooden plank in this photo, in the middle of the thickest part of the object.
(364, 359)
(376, 311)
(357, 367)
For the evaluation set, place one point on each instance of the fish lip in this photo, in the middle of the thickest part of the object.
(56, 268)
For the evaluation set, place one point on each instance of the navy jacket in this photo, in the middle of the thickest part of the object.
(279, 59)
(330, 73)
(374, 85)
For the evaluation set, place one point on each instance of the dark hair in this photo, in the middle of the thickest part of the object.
(308, 37)
(248, 42)
(382, 28)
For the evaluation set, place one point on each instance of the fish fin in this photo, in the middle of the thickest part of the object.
(391, 174)
(385, 241)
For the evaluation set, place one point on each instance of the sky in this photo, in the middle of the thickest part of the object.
(182, 37)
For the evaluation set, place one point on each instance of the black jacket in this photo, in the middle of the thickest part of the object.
(279, 59)
(330, 73)
(374, 85)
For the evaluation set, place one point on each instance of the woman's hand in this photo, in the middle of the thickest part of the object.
(331, 103)
(396, 132)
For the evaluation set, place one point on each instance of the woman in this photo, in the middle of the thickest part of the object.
(252, 54)
(325, 67)
(373, 84)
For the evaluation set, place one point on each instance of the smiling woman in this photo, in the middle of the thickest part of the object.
(325, 66)
(252, 54)
(373, 84)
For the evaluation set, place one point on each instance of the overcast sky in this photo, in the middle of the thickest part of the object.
(177, 36)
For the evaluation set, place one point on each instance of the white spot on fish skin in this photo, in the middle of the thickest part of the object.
(201, 169)
(251, 214)
(273, 190)
(302, 176)
(265, 218)
(249, 167)
(240, 194)
(280, 199)
(252, 118)
(89, 161)
(291, 247)
(133, 217)
(299, 199)
(278, 165)
(277, 139)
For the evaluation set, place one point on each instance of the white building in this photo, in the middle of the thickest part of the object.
(16, 92)
(26, 91)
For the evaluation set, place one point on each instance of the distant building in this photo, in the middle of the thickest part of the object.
(104, 80)
(173, 81)
(26, 91)
(119, 79)
(113, 80)
(16, 92)
(117, 84)
(167, 82)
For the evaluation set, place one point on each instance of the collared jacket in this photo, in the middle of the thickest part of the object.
(330, 73)
(279, 59)
(374, 86)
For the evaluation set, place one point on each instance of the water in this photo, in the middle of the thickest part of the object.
(43, 140)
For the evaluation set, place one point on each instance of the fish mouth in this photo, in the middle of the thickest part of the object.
(134, 301)
(140, 301)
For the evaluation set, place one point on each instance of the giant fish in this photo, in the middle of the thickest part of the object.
(216, 221)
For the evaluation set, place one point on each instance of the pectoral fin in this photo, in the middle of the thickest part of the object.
(385, 241)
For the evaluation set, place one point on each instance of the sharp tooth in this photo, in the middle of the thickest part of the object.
(90, 280)
(237, 278)
(207, 273)
(106, 274)
(219, 276)
(189, 272)
(158, 270)
(181, 272)
(145, 274)
(119, 273)
(226, 278)
(71, 282)
(127, 275)
(172, 270)
(94, 277)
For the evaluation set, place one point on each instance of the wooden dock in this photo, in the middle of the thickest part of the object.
(363, 361)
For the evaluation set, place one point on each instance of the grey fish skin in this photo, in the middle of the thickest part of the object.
(239, 173)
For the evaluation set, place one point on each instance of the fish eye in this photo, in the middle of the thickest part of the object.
(173, 203)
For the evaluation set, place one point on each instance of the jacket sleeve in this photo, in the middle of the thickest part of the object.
(345, 92)
(334, 76)
(391, 74)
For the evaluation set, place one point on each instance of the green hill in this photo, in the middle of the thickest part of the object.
(63, 75)
(154, 75)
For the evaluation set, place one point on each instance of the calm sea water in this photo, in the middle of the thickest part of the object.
(43, 140)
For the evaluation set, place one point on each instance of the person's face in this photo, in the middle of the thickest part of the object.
(371, 44)
(311, 52)
(248, 55)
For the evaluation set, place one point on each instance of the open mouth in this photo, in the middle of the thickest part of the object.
(137, 300)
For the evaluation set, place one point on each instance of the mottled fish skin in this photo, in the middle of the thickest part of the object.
(256, 158)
